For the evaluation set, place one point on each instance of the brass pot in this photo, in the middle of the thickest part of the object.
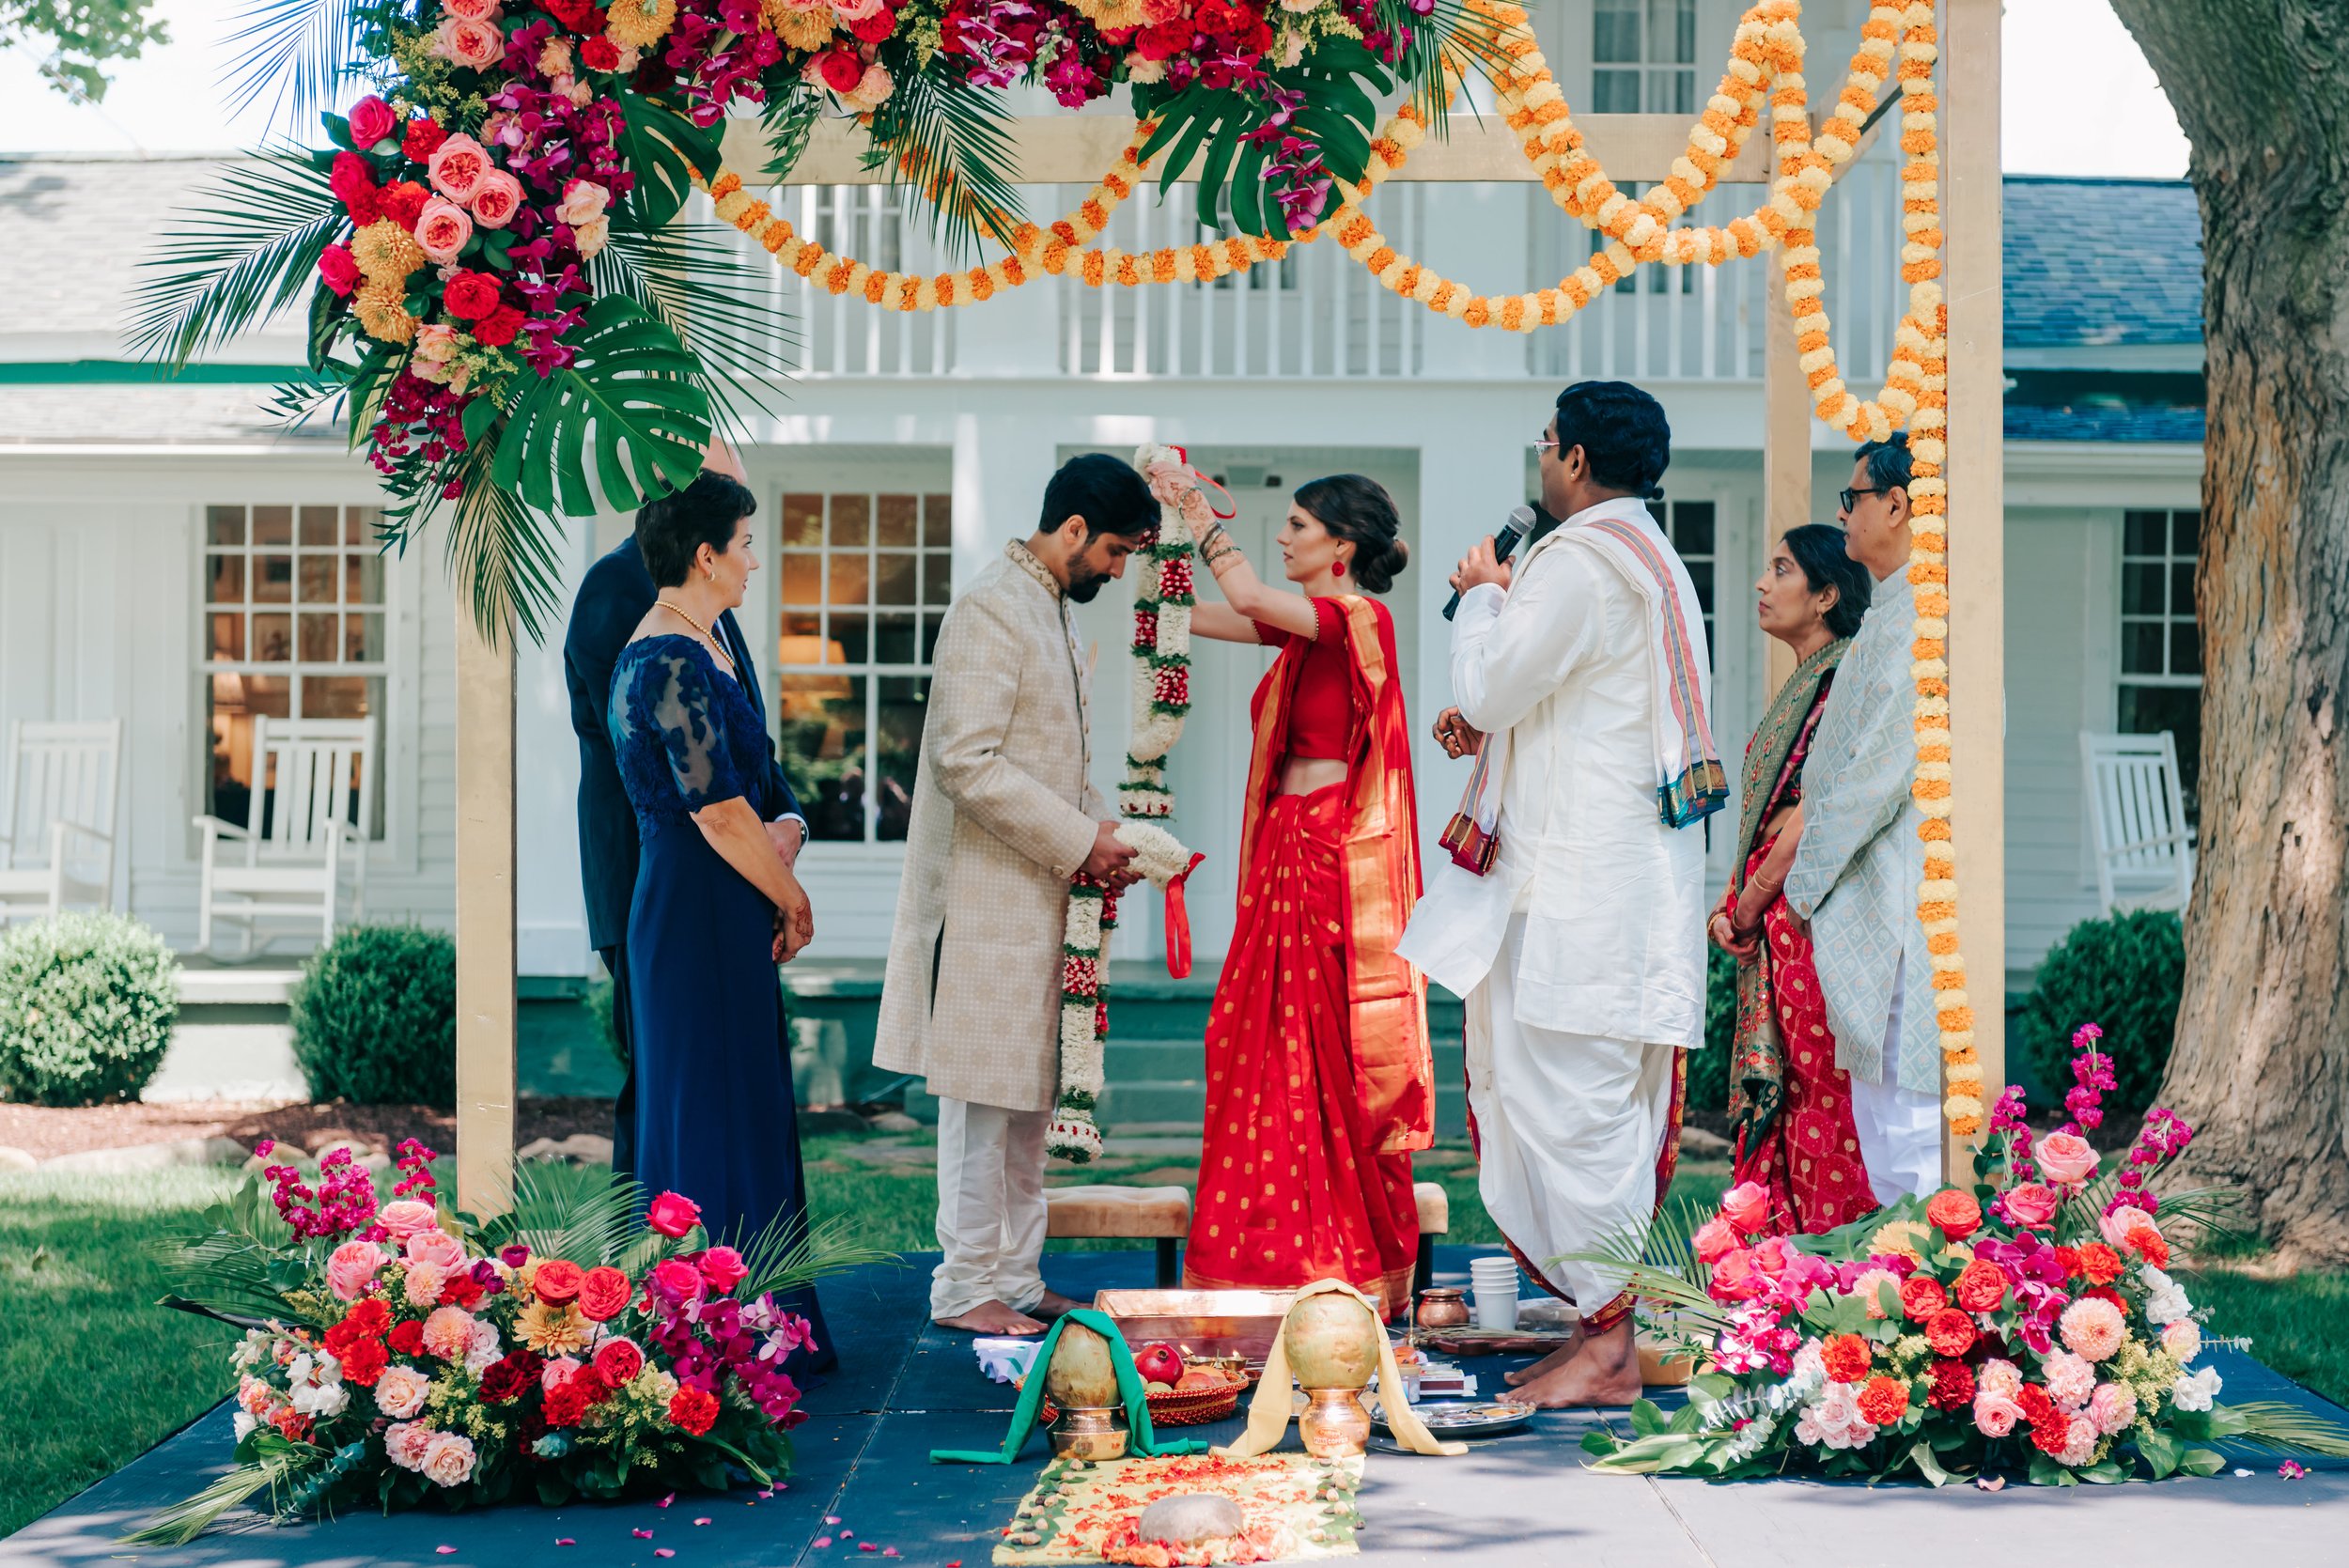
(1332, 1343)
(1088, 1434)
(1335, 1424)
(1083, 1376)
(1443, 1307)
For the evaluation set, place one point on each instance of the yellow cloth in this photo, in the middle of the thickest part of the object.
(1268, 1412)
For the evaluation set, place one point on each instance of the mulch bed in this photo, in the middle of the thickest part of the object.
(45, 1131)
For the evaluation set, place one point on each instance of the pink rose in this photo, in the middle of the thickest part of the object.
(456, 167)
(495, 199)
(2121, 1221)
(405, 1443)
(2065, 1159)
(1994, 1414)
(724, 1267)
(2001, 1377)
(855, 10)
(1714, 1240)
(873, 88)
(590, 237)
(475, 45)
(436, 1246)
(2030, 1205)
(2081, 1445)
(404, 1216)
(1748, 1207)
(583, 201)
(673, 1214)
(1736, 1279)
(399, 1392)
(424, 1284)
(442, 229)
(678, 1280)
(2069, 1380)
(2112, 1408)
(447, 1332)
(448, 1459)
(437, 341)
(558, 1372)
(339, 269)
(473, 10)
(371, 120)
(351, 1267)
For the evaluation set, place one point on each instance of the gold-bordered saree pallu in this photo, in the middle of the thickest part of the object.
(1319, 1081)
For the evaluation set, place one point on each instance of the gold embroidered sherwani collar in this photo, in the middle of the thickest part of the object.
(1018, 555)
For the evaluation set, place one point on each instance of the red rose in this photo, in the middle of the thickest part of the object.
(339, 270)
(499, 327)
(1922, 1296)
(510, 1377)
(364, 1362)
(693, 1409)
(1981, 1286)
(463, 1290)
(1165, 40)
(2097, 1264)
(673, 1214)
(422, 139)
(403, 203)
(558, 1281)
(573, 14)
(618, 1360)
(353, 184)
(724, 1267)
(599, 54)
(678, 1280)
(1955, 1214)
(1884, 1401)
(1951, 1332)
(877, 27)
(566, 1405)
(603, 1292)
(1952, 1386)
(470, 297)
(842, 71)
(407, 1338)
(1846, 1355)
(371, 121)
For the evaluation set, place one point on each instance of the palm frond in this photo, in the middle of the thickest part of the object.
(1450, 41)
(583, 1213)
(789, 119)
(498, 547)
(183, 1521)
(226, 1268)
(1659, 1262)
(952, 143)
(698, 282)
(2280, 1428)
(251, 249)
(295, 54)
(784, 1257)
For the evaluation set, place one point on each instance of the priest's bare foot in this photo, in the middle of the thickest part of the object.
(992, 1317)
(1605, 1374)
(1054, 1305)
(1542, 1368)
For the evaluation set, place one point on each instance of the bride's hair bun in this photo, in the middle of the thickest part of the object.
(1361, 512)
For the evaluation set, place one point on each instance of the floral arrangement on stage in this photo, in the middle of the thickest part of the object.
(397, 1355)
(2025, 1323)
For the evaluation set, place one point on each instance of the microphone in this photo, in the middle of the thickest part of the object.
(1513, 531)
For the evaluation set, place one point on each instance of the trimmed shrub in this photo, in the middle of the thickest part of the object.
(2124, 973)
(597, 999)
(1709, 1069)
(375, 1017)
(87, 1000)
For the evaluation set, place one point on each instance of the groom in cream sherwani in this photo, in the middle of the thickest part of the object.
(1005, 814)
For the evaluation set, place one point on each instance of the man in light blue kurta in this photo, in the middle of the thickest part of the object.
(1856, 869)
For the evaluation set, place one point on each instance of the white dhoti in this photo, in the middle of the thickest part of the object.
(990, 1207)
(1569, 1131)
(1899, 1129)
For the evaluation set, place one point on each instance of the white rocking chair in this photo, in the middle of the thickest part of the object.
(2137, 829)
(61, 805)
(311, 781)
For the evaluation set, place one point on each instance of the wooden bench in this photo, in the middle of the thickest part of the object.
(1162, 1214)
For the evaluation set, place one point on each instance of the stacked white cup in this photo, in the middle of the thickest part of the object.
(1495, 1281)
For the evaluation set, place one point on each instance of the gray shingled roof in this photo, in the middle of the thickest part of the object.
(2100, 262)
(86, 222)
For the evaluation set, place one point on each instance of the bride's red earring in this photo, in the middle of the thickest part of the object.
(1337, 568)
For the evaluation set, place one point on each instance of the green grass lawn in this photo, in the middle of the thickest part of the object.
(92, 1372)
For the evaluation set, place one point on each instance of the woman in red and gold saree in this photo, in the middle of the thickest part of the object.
(1790, 1103)
(1319, 1084)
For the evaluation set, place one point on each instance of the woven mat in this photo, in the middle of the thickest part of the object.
(1293, 1507)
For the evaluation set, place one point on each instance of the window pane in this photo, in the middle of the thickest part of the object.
(2151, 709)
(852, 638)
(903, 703)
(1615, 30)
(938, 578)
(2182, 588)
(896, 519)
(363, 578)
(851, 519)
(1692, 525)
(802, 637)
(273, 638)
(892, 639)
(1684, 32)
(2140, 647)
(1700, 574)
(224, 579)
(2140, 589)
(850, 580)
(321, 525)
(273, 525)
(929, 637)
(1616, 92)
(803, 519)
(937, 519)
(340, 696)
(360, 524)
(363, 638)
(229, 636)
(318, 639)
(802, 577)
(234, 700)
(2142, 532)
(223, 525)
(318, 579)
(272, 579)
(2186, 648)
(894, 577)
(823, 720)
(2185, 532)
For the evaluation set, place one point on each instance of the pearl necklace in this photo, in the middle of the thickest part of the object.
(707, 636)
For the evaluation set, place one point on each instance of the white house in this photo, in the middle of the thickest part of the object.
(168, 557)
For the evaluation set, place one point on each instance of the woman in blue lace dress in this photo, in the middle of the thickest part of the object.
(716, 908)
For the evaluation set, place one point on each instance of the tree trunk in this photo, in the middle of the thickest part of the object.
(2261, 1066)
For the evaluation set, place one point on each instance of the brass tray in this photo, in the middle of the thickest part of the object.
(1235, 1323)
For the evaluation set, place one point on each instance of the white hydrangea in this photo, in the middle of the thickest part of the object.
(2196, 1391)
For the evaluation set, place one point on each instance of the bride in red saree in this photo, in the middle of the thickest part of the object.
(1319, 1084)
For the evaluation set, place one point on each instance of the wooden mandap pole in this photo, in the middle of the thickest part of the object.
(485, 917)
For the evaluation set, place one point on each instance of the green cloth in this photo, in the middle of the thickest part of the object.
(1140, 1440)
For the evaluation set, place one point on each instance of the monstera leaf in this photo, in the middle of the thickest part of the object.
(629, 403)
(662, 149)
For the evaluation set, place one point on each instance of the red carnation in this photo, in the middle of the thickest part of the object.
(364, 1362)
(422, 139)
(603, 1292)
(877, 27)
(495, 330)
(1955, 1214)
(842, 71)
(1922, 1296)
(557, 1280)
(403, 203)
(339, 270)
(599, 54)
(2067, 1260)
(471, 297)
(2105, 1293)
(2052, 1434)
(1884, 1401)
(370, 1317)
(463, 1290)
(407, 1338)
(1981, 1286)
(618, 1360)
(510, 1377)
(1952, 1386)
(693, 1409)
(2098, 1264)
(566, 1405)
(1847, 1357)
(1165, 40)
(575, 14)
(1951, 1332)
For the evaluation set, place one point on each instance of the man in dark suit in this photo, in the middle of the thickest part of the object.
(616, 593)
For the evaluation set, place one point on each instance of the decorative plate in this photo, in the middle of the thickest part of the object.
(1464, 1418)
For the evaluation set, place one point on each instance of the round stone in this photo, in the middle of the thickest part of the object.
(1187, 1520)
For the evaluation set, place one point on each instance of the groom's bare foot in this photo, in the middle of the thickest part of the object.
(1604, 1373)
(1544, 1367)
(1052, 1304)
(992, 1317)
